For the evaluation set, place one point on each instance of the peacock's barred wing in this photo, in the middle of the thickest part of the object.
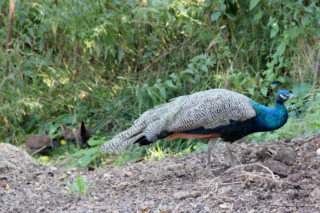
(208, 109)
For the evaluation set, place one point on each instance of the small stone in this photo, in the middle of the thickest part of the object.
(128, 174)
(207, 209)
(318, 151)
(185, 194)
(53, 168)
(224, 206)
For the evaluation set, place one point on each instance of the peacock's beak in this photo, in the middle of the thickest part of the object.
(292, 96)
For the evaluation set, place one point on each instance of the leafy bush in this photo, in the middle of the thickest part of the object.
(108, 61)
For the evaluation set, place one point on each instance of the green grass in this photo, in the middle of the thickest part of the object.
(80, 185)
(153, 152)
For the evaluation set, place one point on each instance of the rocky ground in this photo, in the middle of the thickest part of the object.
(280, 176)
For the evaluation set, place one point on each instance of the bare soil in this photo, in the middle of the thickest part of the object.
(280, 176)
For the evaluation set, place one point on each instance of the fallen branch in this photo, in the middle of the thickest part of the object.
(39, 150)
(317, 71)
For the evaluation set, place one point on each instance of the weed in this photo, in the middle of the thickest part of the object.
(80, 185)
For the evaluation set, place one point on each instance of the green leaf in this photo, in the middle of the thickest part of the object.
(173, 76)
(28, 40)
(296, 14)
(120, 54)
(20, 84)
(231, 16)
(84, 161)
(305, 20)
(281, 79)
(294, 32)
(281, 48)
(271, 21)
(154, 10)
(251, 91)
(190, 79)
(308, 9)
(169, 84)
(253, 3)
(215, 15)
(150, 93)
(204, 68)
(163, 92)
(187, 71)
(197, 78)
(52, 130)
(258, 15)
(182, 10)
(222, 7)
(31, 31)
(264, 91)
(274, 30)
(94, 142)
(54, 27)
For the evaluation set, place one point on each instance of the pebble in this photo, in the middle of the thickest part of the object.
(53, 168)
(318, 151)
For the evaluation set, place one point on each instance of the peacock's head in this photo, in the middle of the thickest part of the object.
(284, 95)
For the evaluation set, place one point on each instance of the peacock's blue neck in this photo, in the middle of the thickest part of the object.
(270, 119)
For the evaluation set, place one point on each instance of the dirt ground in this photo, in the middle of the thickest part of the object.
(280, 176)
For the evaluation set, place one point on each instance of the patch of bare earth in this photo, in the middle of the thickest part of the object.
(280, 176)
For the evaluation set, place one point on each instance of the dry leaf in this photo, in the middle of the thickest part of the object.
(145, 209)
(7, 187)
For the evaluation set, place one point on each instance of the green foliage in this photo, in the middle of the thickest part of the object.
(89, 154)
(200, 147)
(80, 185)
(164, 149)
(109, 61)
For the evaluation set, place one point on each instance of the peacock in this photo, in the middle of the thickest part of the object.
(210, 114)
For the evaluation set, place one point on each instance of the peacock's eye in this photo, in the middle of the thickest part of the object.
(284, 96)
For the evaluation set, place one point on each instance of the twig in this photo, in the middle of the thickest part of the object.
(9, 33)
(39, 150)
(33, 173)
(64, 161)
(252, 164)
(317, 71)
(127, 184)
(164, 55)
(57, 162)
(125, 4)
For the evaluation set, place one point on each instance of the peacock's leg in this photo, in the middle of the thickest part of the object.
(233, 163)
(211, 144)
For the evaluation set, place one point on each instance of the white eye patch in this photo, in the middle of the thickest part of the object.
(283, 96)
